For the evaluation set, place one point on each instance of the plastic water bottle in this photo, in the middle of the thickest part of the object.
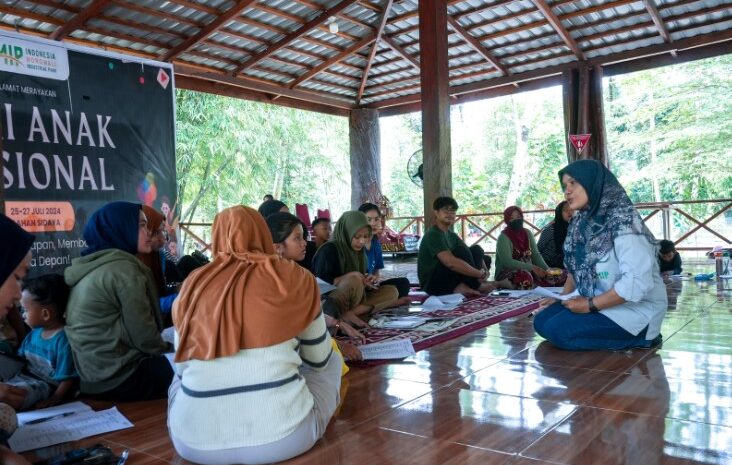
(719, 262)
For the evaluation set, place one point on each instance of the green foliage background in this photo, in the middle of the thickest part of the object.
(669, 133)
(232, 151)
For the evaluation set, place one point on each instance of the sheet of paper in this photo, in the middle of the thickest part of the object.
(508, 293)
(50, 412)
(558, 290)
(451, 298)
(168, 335)
(399, 348)
(405, 322)
(554, 295)
(324, 286)
(69, 428)
(443, 302)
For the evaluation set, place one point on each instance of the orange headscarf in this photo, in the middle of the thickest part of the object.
(152, 259)
(247, 297)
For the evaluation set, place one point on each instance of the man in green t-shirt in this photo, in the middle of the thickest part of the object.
(446, 265)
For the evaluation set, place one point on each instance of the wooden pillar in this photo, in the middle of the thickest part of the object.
(363, 128)
(436, 154)
(583, 111)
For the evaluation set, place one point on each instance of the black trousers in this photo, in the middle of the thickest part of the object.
(444, 280)
(150, 381)
(402, 285)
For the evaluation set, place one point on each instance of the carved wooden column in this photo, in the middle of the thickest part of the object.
(363, 128)
(583, 111)
(435, 102)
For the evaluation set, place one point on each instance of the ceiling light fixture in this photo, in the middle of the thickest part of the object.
(332, 25)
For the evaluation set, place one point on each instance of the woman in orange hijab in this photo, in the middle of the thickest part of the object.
(257, 378)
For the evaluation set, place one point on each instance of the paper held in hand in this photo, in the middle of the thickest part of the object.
(544, 292)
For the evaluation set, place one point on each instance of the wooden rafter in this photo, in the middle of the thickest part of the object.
(616, 59)
(207, 30)
(556, 23)
(152, 12)
(657, 20)
(58, 6)
(197, 6)
(401, 52)
(95, 8)
(267, 88)
(415, 13)
(374, 48)
(477, 46)
(331, 61)
(304, 29)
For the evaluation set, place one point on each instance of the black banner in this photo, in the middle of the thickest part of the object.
(106, 132)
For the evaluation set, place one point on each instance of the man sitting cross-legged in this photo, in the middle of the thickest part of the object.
(445, 264)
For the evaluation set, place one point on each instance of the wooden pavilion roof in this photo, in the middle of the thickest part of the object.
(283, 51)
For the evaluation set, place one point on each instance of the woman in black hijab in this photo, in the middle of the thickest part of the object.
(551, 241)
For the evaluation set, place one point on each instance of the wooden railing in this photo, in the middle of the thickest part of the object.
(693, 225)
(667, 220)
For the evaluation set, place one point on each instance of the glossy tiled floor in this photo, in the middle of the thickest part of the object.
(502, 396)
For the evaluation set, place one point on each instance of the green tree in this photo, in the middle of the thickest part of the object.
(231, 151)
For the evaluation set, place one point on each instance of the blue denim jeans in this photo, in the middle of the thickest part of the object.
(584, 331)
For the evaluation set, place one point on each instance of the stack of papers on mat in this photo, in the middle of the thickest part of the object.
(405, 322)
(399, 348)
(547, 292)
(64, 423)
(443, 302)
(410, 322)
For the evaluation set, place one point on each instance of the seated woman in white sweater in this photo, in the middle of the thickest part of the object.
(610, 255)
(257, 379)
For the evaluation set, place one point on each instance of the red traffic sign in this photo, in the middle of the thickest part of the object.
(579, 141)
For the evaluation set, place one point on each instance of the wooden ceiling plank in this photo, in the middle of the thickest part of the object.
(94, 9)
(374, 48)
(208, 29)
(401, 52)
(29, 14)
(332, 61)
(299, 32)
(157, 13)
(56, 5)
(556, 23)
(259, 86)
(476, 45)
(197, 6)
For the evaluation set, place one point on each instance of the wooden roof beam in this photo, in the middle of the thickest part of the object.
(331, 61)
(262, 86)
(374, 48)
(556, 23)
(415, 13)
(304, 29)
(657, 20)
(94, 9)
(401, 52)
(477, 46)
(211, 27)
